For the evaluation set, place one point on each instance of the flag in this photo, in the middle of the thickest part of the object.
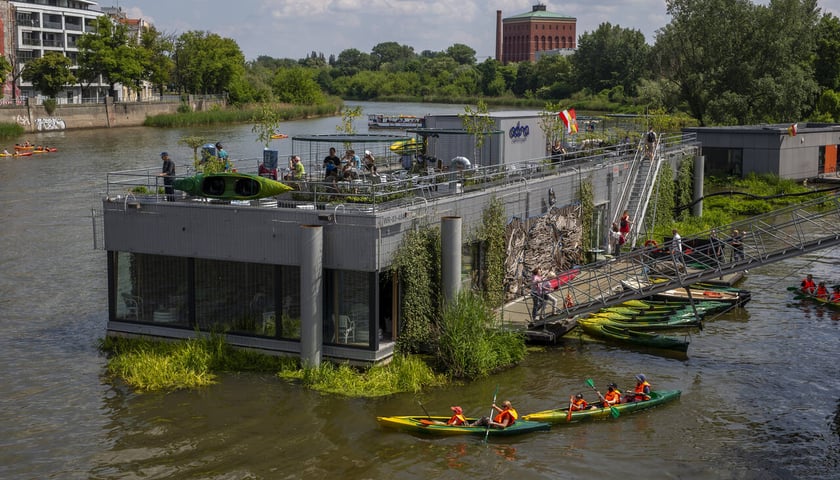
(792, 130)
(569, 120)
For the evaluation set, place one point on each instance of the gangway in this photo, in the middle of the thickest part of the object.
(771, 237)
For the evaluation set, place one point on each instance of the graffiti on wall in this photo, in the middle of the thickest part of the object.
(22, 120)
(51, 123)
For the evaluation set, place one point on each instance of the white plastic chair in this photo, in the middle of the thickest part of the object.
(346, 326)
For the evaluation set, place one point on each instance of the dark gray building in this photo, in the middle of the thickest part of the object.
(741, 150)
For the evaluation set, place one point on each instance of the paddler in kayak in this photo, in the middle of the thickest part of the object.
(641, 392)
(613, 396)
(808, 285)
(506, 417)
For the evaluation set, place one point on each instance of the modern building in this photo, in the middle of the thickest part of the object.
(31, 28)
(515, 137)
(807, 151)
(527, 36)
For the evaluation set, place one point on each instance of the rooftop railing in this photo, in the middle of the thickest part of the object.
(389, 188)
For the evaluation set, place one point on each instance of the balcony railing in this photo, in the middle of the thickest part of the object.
(391, 188)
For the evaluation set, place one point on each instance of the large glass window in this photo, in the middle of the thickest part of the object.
(347, 313)
(234, 297)
(151, 288)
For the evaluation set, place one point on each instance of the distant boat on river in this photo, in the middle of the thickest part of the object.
(400, 122)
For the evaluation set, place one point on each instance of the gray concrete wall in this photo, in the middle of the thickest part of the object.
(34, 118)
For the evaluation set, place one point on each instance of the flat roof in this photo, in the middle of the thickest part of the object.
(336, 138)
(805, 127)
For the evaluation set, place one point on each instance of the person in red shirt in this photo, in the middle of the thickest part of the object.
(835, 296)
(808, 285)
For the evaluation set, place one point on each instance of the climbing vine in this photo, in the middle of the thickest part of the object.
(416, 266)
(491, 234)
(660, 214)
(586, 197)
(684, 185)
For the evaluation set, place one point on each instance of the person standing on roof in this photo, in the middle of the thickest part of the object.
(167, 171)
(222, 155)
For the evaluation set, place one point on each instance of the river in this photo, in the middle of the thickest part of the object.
(760, 384)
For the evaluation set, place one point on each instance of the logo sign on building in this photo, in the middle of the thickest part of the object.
(518, 133)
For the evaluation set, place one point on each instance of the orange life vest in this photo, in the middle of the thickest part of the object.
(835, 297)
(808, 286)
(612, 398)
(508, 413)
(579, 404)
(457, 419)
(640, 391)
(822, 292)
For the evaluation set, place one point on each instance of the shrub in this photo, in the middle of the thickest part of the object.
(469, 344)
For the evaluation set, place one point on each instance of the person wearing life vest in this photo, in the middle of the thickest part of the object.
(613, 396)
(641, 392)
(506, 417)
(808, 285)
(579, 403)
(457, 417)
(822, 291)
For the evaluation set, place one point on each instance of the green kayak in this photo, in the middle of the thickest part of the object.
(437, 426)
(633, 337)
(708, 306)
(560, 415)
(230, 186)
(665, 324)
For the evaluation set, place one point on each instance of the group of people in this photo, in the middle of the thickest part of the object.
(613, 397)
(350, 167)
(506, 415)
(819, 290)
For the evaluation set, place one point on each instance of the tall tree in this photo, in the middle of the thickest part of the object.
(461, 53)
(737, 63)
(297, 85)
(109, 52)
(610, 56)
(827, 61)
(207, 63)
(391, 52)
(49, 74)
(157, 51)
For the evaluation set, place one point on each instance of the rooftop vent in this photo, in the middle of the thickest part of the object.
(540, 7)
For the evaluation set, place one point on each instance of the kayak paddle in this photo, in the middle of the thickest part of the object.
(613, 411)
(571, 403)
(487, 432)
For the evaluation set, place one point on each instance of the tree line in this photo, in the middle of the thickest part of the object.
(720, 61)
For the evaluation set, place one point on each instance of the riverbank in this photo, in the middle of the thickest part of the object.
(191, 111)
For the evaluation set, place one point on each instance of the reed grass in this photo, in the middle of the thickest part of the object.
(470, 345)
(10, 130)
(244, 114)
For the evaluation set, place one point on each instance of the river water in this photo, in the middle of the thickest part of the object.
(760, 385)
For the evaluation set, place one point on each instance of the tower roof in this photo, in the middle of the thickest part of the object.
(539, 13)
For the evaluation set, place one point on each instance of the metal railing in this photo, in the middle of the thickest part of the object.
(767, 238)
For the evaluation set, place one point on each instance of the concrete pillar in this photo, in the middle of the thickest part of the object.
(450, 257)
(311, 294)
(699, 165)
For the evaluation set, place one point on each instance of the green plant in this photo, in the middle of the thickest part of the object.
(492, 236)
(587, 210)
(469, 344)
(478, 123)
(50, 105)
(416, 267)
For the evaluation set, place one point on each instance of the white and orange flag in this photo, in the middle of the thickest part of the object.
(792, 130)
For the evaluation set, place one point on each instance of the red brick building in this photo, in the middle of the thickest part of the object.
(527, 36)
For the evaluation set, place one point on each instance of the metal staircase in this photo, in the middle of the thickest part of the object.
(768, 238)
(637, 191)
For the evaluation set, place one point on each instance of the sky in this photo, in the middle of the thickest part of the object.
(295, 28)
